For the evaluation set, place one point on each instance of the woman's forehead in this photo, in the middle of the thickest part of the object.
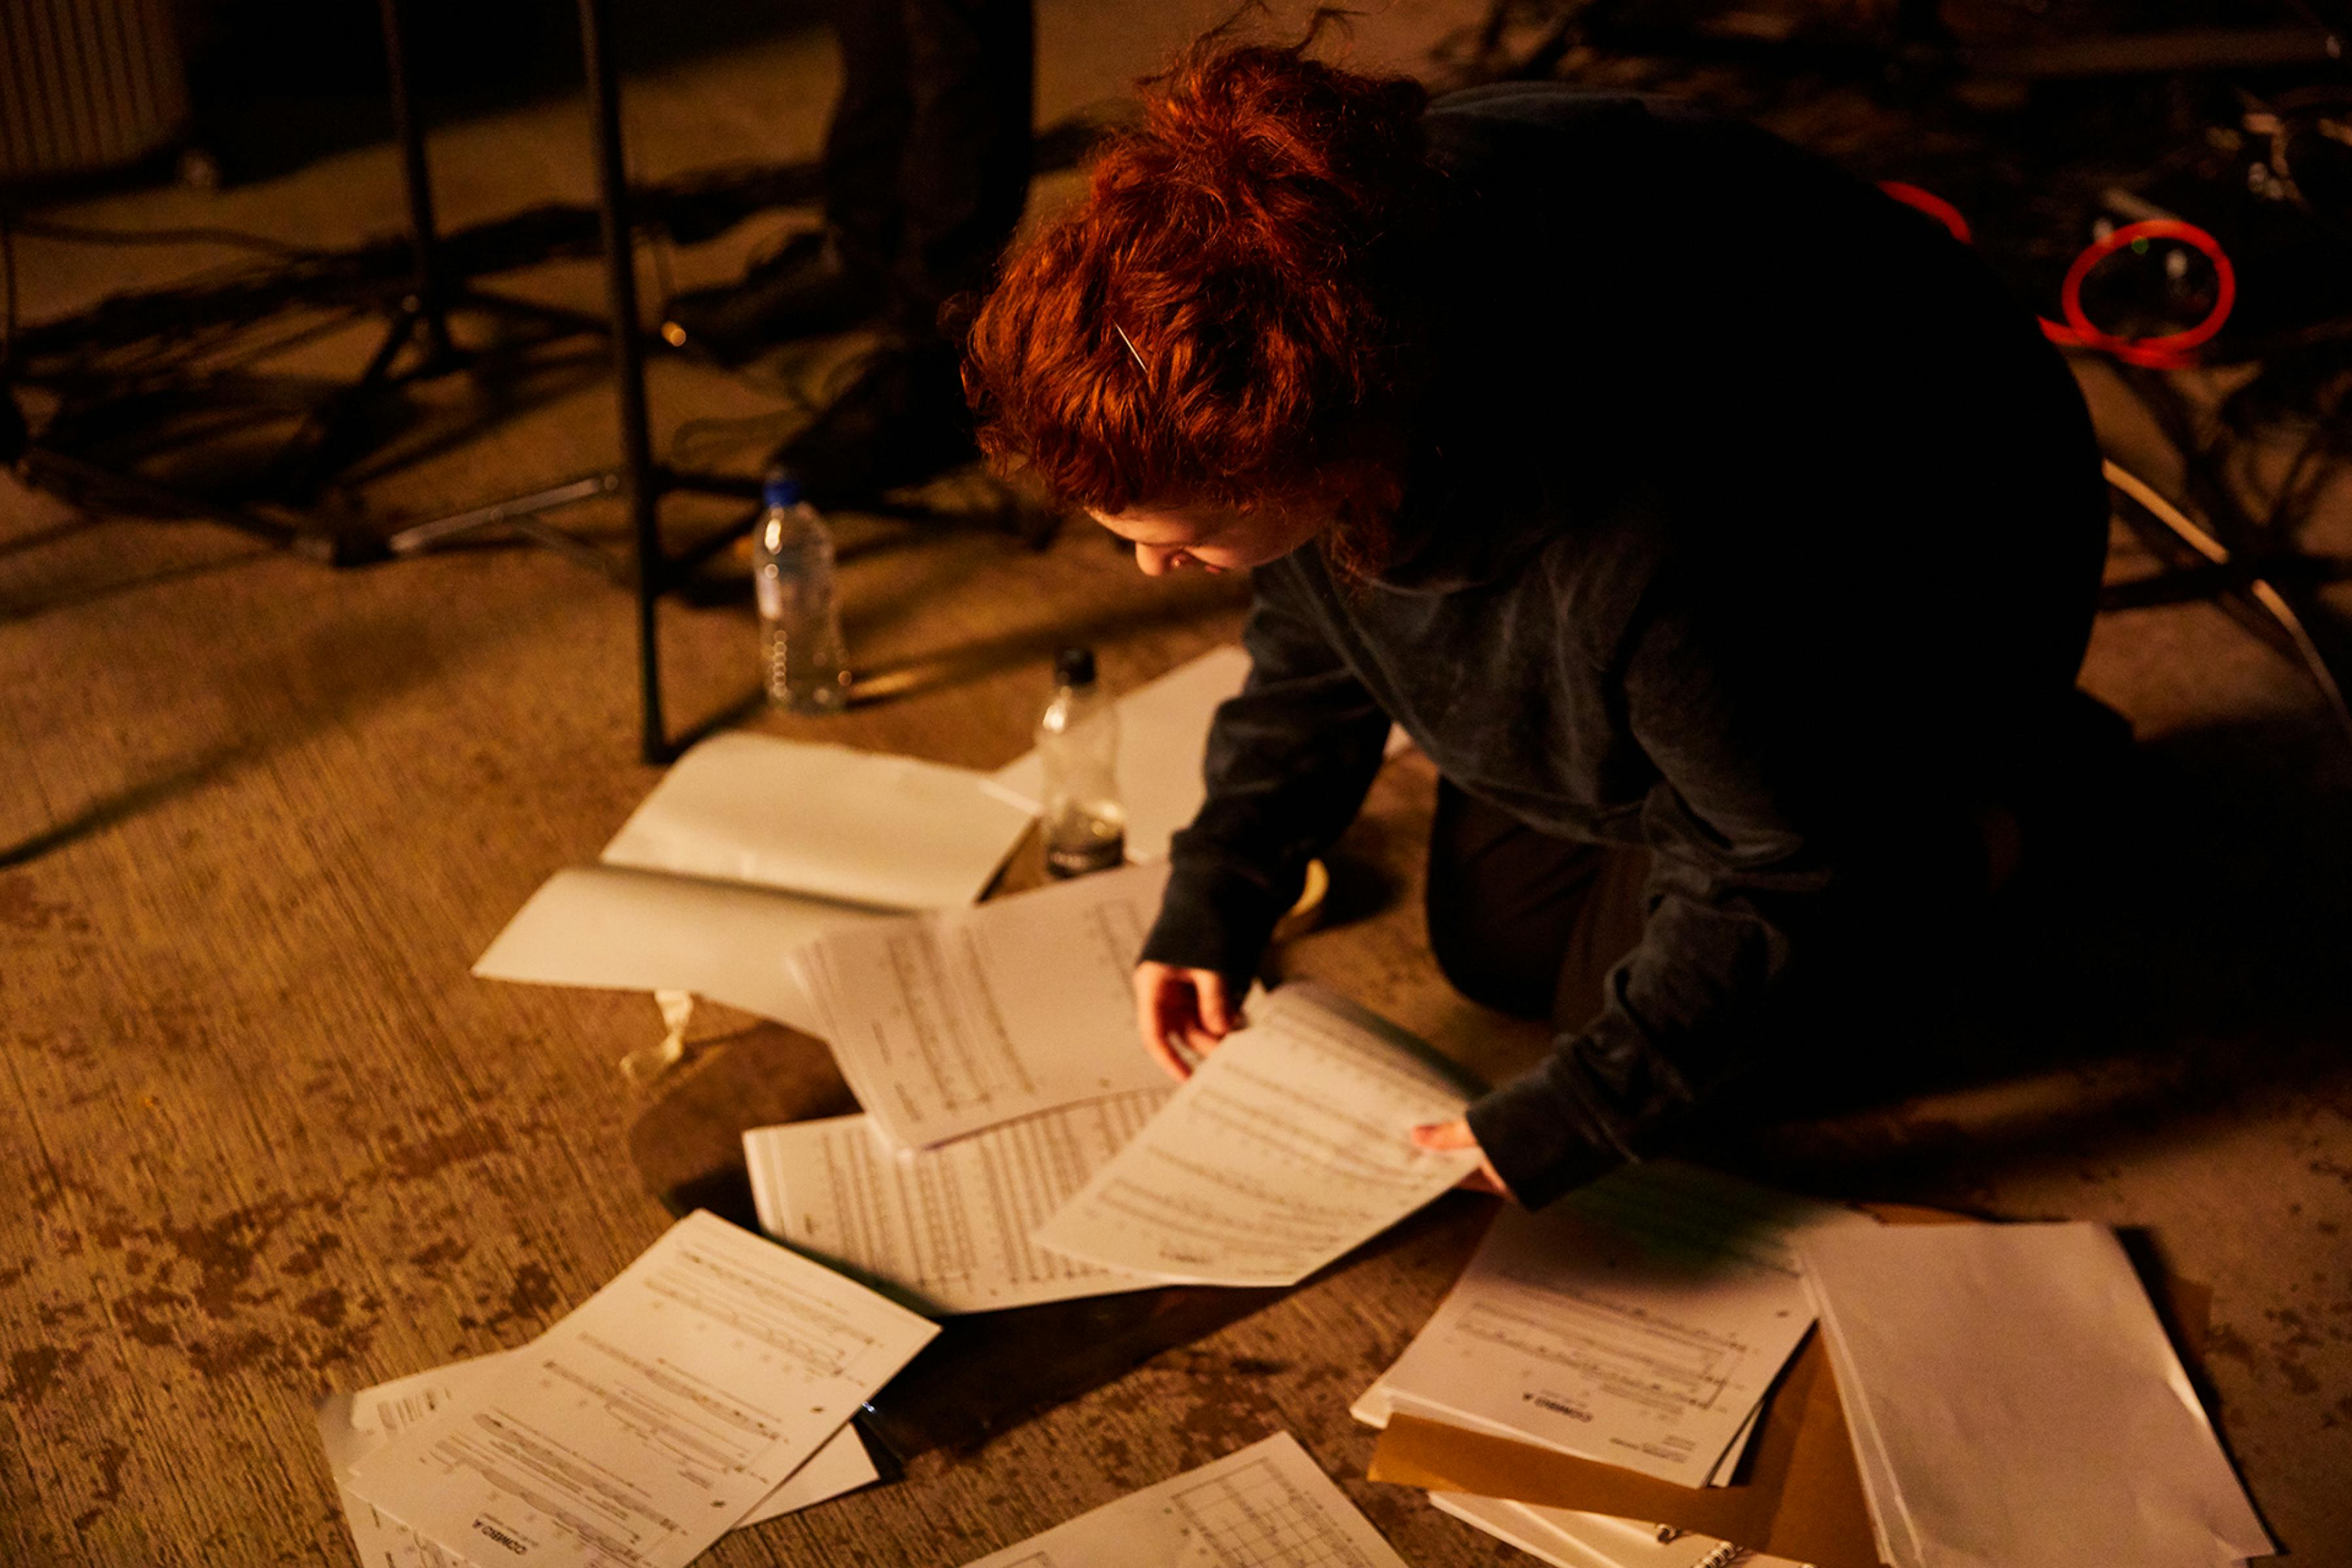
(1164, 524)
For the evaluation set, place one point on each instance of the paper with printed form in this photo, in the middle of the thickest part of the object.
(1288, 1146)
(2013, 1399)
(824, 821)
(647, 1423)
(354, 1426)
(1267, 1506)
(950, 1022)
(1639, 1321)
(948, 1227)
(381, 1540)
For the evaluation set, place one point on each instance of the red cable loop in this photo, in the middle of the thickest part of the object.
(2171, 351)
(1933, 205)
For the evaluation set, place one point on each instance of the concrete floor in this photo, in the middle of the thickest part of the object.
(269, 1138)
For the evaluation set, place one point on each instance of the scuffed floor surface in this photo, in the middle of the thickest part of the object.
(265, 1137)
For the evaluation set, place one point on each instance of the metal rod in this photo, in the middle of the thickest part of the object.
(628, 360)
(39, 463)
(417, 178)
(422, 536)
(541, 530)
(2259, 589)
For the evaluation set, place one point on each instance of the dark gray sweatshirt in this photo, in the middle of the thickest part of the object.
(1747, 519)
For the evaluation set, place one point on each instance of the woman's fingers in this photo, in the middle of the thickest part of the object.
(1170, 1060)
(1212, 1012)
(1168, 1006)
(1215, 1012)
(1181, 1010)
(1444, 1137)
(1157, 1000)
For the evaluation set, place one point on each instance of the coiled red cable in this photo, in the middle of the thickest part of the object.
(2171, 351)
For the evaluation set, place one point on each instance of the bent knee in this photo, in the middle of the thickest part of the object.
(1493, 966)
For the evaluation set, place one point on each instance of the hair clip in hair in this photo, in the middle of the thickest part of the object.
(1133, 353)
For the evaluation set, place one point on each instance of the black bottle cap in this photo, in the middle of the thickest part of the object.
(1074, 667)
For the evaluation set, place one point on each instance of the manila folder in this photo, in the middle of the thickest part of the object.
(1801, 1498)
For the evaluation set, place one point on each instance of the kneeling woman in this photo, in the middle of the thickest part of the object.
(1715, 524)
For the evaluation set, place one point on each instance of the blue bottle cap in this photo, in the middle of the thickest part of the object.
(781, 489)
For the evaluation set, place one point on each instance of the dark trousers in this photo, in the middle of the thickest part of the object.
(927, 158)
(1523, 923)
(1531, 925)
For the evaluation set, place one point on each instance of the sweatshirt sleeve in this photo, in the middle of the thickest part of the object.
(1744, 895)
(1289, 761)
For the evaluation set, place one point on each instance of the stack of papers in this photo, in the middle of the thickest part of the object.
(1639, 1322)
(747, 847)
(708, 1386)
(1267, 1506)
(2013, 1399)
(354, 1426)
(1797, 1498)
(1570, 1539)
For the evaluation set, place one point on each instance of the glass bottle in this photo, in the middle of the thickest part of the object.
(1078, 740)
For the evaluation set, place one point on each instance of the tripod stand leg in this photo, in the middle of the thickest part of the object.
(522, 514)
(422, 317)
(81, 482)
(309, 453)
(417, 182)
(628, 362)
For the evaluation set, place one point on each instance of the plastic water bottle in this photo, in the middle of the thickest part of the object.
(1086, 827)
(801, 660)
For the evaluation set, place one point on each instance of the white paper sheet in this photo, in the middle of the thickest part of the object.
(2028, 1408)
(382, 1413)
(610, 927)
(354, 1426)
(947, 1227)
(1376, 1404)
(840, 1465)
(1288, 1146)
(381, 1540)
(644, 1424)
(1638, 1322)
(1889, 1523)
(1570, 1539)
(1267, 1506)
(824, 821)
(950, 1022)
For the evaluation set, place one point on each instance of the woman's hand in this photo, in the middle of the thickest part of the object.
(1179, 1010)
(1442, 1137)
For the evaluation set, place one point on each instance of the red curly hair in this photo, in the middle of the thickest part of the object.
(1219, 322)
